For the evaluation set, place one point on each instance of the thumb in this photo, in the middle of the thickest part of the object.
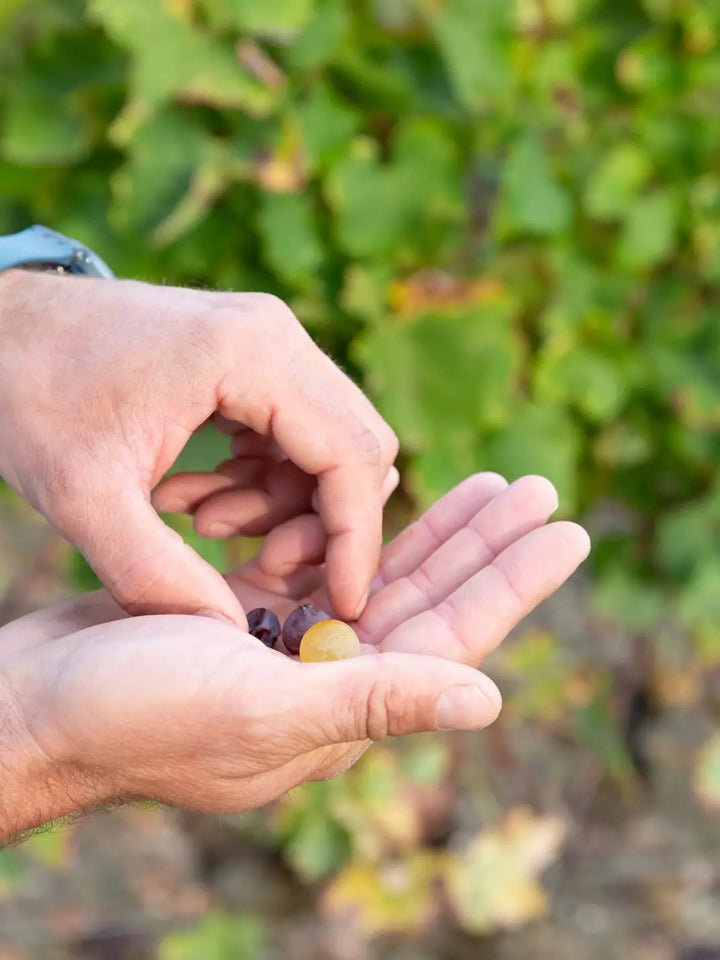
(146, 566)
(391, 694)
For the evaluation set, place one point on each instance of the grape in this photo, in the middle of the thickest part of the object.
(298, 622)
(264, 624)
(329, 640)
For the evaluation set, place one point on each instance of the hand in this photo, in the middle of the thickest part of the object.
(198, 714)
(104, 381)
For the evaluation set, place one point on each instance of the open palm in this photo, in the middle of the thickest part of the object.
(195, 712)
(456, 581)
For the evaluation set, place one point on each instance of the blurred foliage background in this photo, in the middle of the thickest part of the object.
(503, 218)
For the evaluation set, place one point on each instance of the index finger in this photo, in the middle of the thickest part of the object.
(291, 393)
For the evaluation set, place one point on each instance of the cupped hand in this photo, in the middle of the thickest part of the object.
(103, 383)
(195, 712)
(453, 583)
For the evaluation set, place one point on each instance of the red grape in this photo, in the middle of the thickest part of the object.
(264, 624)
(298, 623)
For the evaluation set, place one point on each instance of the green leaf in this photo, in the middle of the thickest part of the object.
(204, 450)
(440, 379)
(700, 600)
(427, 761)
(687, 537)
(323, 37)
(39, 127)
(615, 184)
(219, 936)
(433, 472)
(473, 37)
(50, 846)
(12, 871)
(598, 729)
(538, 439)
(210, 72)
(317, 847)
(649, 233)
(399, 206)
(291, 243)
(532, 201)
(577, 376)
(327, 125)
(283, 17)
(154, 179)
(635, 604)
(10, 7)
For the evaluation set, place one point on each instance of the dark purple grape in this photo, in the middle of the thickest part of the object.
(298, 623)
(264, 624)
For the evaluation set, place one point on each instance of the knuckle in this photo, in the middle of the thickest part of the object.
(272, 309)
(368, 444)
(257, 323)
(377, 711)
(390, 444)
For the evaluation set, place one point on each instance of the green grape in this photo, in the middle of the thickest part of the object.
(329, 640)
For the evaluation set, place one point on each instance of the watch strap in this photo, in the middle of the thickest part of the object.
(38, 245)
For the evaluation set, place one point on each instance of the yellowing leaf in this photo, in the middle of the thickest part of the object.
(707, 773)
(542, 674)
(392, 897)
(284, 170)
(378, 810)
(436, 291)
(492, 884)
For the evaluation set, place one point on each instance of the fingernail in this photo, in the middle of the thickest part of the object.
(361, 606)
(214, 615)
(464, 708)
(220, 530)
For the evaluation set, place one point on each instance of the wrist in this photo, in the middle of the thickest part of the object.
(35, 788)
(9, 279)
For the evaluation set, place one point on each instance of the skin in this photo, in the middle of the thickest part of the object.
(102, 383)
(192, 711)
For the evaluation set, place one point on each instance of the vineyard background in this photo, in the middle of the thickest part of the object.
(503, 218)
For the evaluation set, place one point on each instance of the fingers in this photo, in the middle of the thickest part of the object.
(298, 584)
(376, 696)
(472, 621)
(184, 492)
(145, 565)
(303, 539)
(444, 518)
(286, 492)
(294, 394)
(515, 511)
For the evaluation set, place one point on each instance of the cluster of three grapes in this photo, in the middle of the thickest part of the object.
(307, 631)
